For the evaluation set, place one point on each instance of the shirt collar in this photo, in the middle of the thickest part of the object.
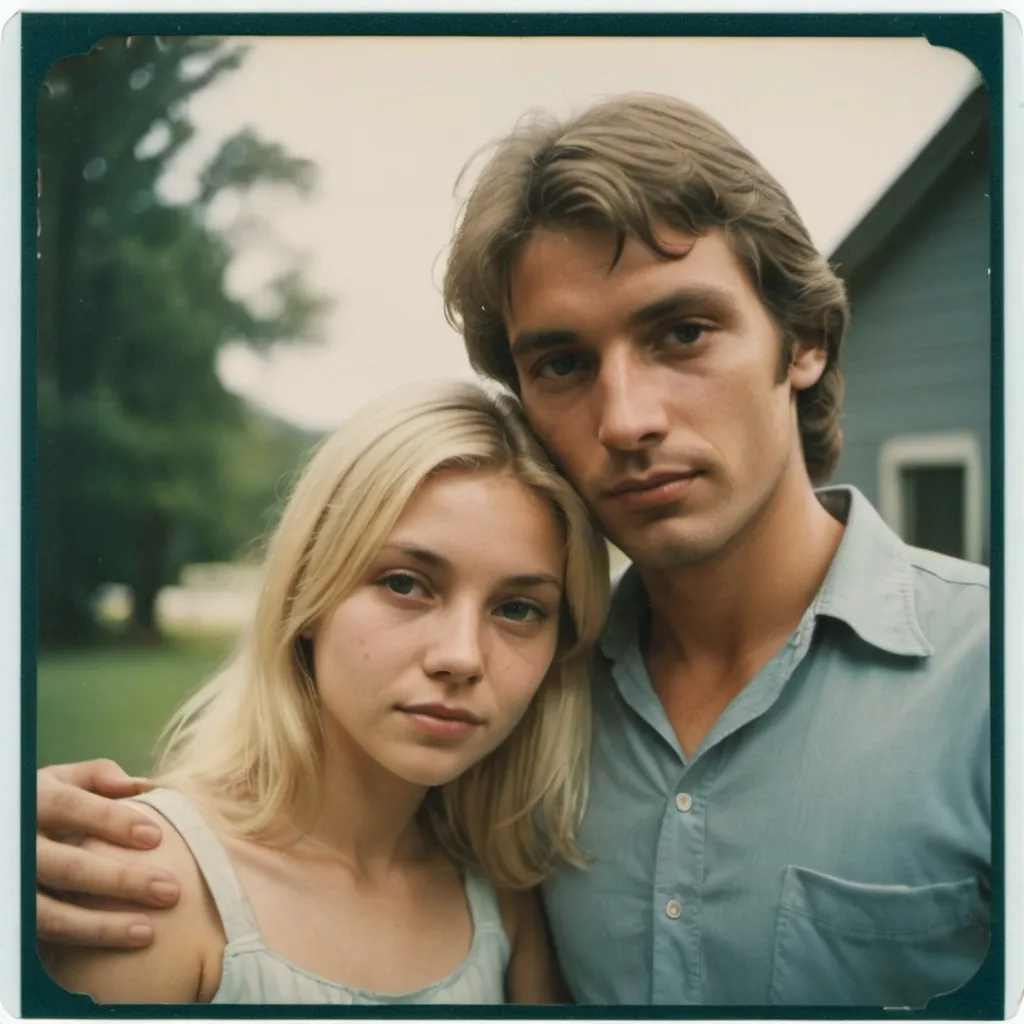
(869, 586)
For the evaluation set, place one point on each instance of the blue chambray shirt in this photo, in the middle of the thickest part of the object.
(829, 841)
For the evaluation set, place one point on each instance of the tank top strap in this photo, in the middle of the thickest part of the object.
(232, 904)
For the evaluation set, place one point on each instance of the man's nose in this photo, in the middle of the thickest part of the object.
(455, 652)
(631, 416)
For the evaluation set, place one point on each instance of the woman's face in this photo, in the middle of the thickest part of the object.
(434, 657)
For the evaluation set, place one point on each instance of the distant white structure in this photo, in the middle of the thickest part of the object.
(213, 596)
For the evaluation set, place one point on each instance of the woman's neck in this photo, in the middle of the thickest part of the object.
(367, 817)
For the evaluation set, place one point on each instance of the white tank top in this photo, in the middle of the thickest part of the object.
(252, 973)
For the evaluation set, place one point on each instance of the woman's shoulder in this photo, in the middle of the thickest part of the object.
(172, 854)
(188, 939)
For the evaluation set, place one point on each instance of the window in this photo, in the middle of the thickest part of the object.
(931, 492)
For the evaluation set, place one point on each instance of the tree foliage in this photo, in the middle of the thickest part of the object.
(144, 460)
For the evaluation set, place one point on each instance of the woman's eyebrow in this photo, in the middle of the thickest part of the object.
(424, 555)
(534, 579)
(434, 560)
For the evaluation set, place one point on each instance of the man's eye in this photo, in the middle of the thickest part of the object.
(560, 365)
(401, 583)
(686, 334)
(521, 611)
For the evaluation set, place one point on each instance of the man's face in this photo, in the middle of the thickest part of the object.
(655, 386)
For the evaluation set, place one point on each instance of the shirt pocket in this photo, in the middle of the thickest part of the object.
(841, 943)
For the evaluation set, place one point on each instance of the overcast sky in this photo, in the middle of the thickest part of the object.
(392, 121)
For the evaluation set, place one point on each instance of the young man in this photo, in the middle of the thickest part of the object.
(789, 800)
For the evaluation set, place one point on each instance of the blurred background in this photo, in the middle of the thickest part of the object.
(242, 240)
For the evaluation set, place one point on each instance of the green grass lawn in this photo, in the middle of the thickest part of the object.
(113, 702)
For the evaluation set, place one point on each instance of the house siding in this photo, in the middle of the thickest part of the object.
(917, 356)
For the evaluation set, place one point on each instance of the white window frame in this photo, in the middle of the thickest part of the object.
(912, 450)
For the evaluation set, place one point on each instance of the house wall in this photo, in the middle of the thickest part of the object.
(917, 357)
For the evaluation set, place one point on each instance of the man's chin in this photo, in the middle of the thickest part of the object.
(662, 547)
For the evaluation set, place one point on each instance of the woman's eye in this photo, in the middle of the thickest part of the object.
(401, 583)
(687, 334)
(521, 611)
(559, 365)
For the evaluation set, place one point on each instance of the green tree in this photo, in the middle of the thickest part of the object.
(139, 443)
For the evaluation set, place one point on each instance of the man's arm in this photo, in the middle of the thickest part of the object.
(533, 975)
(80, 799)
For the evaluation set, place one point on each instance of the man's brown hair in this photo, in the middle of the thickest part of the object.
(627, 165)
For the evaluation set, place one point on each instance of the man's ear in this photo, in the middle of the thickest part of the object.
(806, 365)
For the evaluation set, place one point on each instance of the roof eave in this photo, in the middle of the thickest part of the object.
(897, 202)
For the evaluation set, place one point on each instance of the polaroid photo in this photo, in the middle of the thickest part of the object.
(514, 508)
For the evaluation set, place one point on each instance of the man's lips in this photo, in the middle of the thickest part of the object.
(651, 489)
(649, 481)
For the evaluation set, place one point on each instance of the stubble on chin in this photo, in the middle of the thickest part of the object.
(661, 546)
(674, 553)
(676, 538)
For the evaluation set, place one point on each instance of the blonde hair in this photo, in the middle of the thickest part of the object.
(250, 740)
(624, 165)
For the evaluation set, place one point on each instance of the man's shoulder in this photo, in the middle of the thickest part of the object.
(931, 567)
(950, 605)
(951, 599)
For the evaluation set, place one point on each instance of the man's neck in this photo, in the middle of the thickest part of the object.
(749, 599)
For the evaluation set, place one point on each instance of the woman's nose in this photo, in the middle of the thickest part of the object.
(455, 652)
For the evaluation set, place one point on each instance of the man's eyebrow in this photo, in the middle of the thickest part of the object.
(540, 340)
(685, 301)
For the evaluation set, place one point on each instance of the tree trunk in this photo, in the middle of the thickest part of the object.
(154, 537)
(65, 619)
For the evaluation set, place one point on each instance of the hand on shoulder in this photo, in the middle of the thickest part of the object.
(182, 965)
(81, 799)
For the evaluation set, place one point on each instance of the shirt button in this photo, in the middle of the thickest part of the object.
(684, 801)
(674, 909)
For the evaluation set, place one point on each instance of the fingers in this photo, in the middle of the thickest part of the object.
(72, 869)
(66, 924)
(99, 776)
(60, 805)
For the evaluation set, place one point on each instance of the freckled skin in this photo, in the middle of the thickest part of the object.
(460, 636)
(698, 391)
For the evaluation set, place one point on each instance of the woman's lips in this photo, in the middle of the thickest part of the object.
(440, 720)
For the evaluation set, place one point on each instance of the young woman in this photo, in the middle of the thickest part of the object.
(363, 797)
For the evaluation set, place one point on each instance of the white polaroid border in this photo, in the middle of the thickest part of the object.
(1013, 507)
(10, 517)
